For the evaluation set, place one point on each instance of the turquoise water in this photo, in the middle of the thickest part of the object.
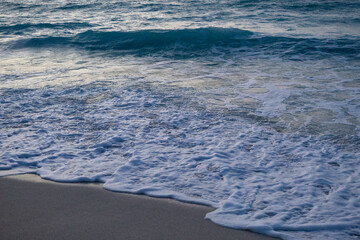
(252, 107)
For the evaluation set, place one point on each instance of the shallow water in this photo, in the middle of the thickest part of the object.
(248, 106)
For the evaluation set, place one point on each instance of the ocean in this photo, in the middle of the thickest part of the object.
(252, 107)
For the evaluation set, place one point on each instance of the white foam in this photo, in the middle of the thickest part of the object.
(284, 161)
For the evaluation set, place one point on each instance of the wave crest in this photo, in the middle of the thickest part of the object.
(192, 41)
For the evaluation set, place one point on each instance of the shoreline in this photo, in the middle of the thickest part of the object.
(33, 208)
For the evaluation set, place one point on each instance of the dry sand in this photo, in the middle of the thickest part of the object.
(32, 208)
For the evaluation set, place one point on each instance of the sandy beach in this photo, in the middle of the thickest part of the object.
(32, 208)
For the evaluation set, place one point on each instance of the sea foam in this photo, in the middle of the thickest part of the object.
(228, 104)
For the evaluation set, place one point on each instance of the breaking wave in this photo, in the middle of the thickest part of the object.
(193, 40)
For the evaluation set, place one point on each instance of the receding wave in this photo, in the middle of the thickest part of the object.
(191, 40)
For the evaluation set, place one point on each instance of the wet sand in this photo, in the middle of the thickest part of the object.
(32, 208)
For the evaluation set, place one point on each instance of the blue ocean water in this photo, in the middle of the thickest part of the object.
(252, 107)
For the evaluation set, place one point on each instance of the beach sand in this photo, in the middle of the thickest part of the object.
(32, 208)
